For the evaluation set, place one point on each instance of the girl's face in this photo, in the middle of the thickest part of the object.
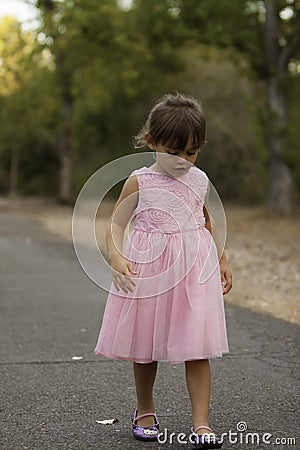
(172, 161)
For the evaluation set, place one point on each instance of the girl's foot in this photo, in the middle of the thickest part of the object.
(201, 429)
(145, 426)
(205, 438)
(147, 421)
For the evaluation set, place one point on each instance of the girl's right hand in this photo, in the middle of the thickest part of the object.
(122, 272)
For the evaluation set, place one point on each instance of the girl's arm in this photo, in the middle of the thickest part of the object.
(126, 204)
(226, 276)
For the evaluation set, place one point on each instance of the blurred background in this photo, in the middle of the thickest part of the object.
(78, 77)
(77, 81)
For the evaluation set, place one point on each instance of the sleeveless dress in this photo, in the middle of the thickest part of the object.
(176, 311)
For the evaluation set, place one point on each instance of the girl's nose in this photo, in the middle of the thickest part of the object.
(185, 156)
(180, 158)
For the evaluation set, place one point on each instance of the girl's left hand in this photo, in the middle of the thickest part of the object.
(226, 276)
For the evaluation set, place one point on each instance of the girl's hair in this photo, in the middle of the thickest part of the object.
(173, 121)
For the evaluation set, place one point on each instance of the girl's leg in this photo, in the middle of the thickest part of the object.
(144, 375)
(198, 383)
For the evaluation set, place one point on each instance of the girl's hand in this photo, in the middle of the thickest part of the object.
(122, 272)
(226, 276)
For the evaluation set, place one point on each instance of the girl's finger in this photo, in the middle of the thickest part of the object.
(224, 287)
(228, 284)
(229, 279)
(223, 282)
(128, 285)
(124, 284)
(131, 269)
(115, 283)
(130, 280)
(226, 290)
(123, 281)
(118, 281)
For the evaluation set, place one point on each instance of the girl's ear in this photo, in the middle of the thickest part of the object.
(149, 141)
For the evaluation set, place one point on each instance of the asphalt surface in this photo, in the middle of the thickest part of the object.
(50, 312)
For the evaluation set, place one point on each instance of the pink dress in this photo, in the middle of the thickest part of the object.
(176, 312)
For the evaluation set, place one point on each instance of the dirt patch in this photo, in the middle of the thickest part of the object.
(263, 251)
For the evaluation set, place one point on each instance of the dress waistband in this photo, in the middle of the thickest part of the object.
(188, 230)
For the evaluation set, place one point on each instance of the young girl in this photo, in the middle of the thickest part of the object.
(166, 301)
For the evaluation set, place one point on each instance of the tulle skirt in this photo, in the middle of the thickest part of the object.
(176, 312)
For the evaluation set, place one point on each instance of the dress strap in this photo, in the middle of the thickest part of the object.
(203, 427)
(141, 416)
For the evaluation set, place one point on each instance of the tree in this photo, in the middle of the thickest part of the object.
(96, 68)
(16, 48)
(281, 45)
(267, 34)
(53, 32)
(88, 40)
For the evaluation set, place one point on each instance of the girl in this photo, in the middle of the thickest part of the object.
(166, 301)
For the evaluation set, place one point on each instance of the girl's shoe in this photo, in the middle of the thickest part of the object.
(206, 440)
(144, 433)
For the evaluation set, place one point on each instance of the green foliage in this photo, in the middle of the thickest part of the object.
(28, 113)
(292, 153)
(112, 64)
(235, 155)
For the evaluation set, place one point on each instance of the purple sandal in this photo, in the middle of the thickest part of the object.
(144, 433)
(206, 440)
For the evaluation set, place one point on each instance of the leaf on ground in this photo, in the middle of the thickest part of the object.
(107, 421)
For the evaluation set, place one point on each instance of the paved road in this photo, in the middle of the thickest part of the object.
(50, 311)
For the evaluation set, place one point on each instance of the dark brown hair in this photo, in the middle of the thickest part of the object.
(172, 121)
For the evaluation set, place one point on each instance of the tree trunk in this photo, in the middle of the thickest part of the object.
(14, 170)
(65, 178)
(65, 139)
(280, 182)
(280, 176)
(65, 144)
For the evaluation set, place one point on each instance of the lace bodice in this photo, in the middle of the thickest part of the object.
(170, 204)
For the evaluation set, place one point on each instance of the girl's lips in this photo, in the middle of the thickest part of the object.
(179, 171)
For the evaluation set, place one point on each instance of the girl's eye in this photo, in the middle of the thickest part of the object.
(174, 153)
